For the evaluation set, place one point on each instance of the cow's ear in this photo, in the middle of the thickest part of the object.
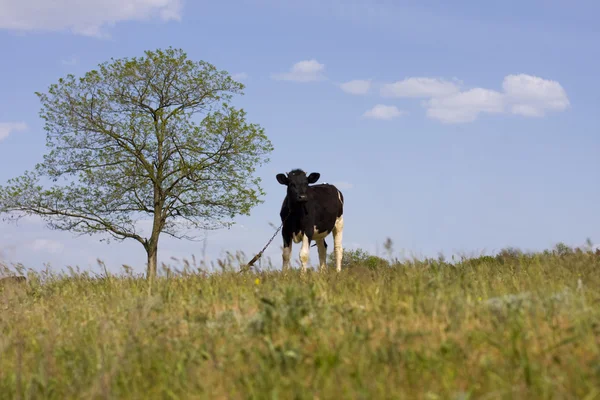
(313, 177)
(281, 178)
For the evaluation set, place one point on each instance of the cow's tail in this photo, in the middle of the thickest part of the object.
(324, 242)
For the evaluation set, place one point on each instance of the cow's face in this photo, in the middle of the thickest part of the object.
(297, 184)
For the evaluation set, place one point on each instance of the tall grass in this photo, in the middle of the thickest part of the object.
(515, 326)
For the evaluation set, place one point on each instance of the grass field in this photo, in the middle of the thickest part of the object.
(515, 326)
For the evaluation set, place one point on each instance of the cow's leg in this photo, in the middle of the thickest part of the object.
(322, 254)
(304, 252)
(287, 253)
(337, 242)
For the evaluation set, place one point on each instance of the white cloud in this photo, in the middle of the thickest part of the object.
(381, 111)
(72, 60)
(524, 95)
(343, 185)
(420, 87)
(82, 17)
(7, 251)
(6, 128)
(356, 86)
(239, 76)
(532, 96)
(465, 106)
(303, 71)
(46, 245)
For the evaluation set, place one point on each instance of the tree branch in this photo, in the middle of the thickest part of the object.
(84, 219)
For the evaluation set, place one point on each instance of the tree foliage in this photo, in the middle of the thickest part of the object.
(151, 138)
(360, 258)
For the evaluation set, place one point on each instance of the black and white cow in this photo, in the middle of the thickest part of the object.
(312, 213)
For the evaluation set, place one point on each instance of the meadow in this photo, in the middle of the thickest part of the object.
(511, 326)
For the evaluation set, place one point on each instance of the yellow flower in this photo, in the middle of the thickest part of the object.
(257, 281)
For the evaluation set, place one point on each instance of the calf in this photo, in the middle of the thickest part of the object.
(311, 213)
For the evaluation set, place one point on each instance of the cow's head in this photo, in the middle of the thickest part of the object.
(297, 184)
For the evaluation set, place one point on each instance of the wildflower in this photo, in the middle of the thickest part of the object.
(257, 281)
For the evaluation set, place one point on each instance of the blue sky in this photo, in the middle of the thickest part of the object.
(451, 127)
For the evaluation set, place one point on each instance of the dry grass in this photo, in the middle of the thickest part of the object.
(422, 330)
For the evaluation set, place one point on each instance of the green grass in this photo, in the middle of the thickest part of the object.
(419, 330)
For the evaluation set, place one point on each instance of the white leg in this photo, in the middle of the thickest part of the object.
(337, 242)
(304, 252)
(287, 253)
(322, 255)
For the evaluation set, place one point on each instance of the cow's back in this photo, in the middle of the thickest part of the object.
(328, 205)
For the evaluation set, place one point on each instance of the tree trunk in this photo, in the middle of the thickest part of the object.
(152, 244)
(152, 251)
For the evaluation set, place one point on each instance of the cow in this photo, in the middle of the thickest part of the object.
(311, 213)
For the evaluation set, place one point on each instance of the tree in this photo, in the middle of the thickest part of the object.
(125, 144)
(360, 258)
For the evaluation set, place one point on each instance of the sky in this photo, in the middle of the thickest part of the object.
(457, 127)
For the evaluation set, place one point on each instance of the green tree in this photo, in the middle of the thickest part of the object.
(127, 146)
(360, 258)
